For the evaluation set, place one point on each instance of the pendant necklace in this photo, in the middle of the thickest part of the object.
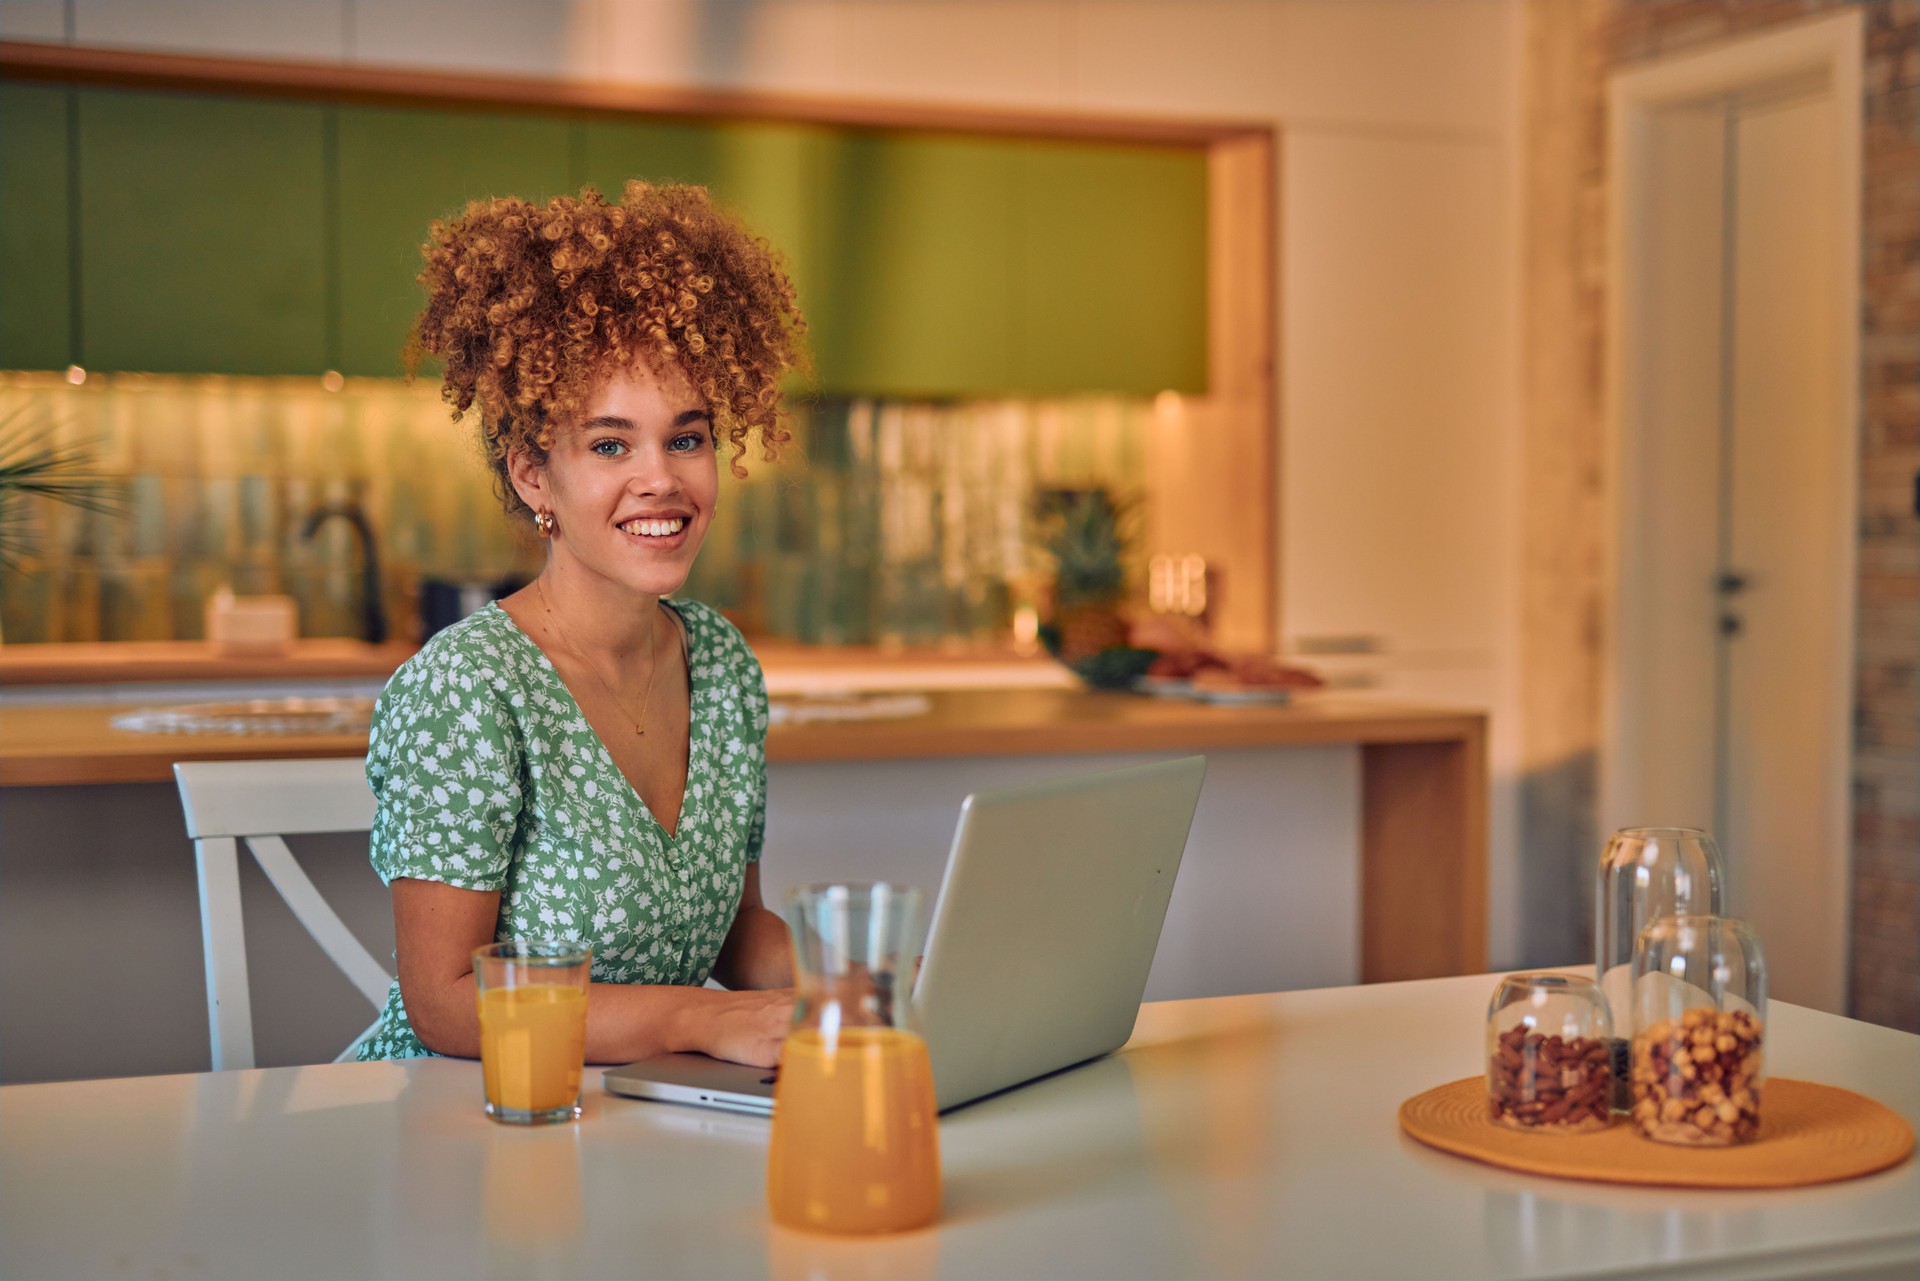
(653, 650)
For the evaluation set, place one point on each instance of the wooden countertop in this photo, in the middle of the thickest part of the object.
(134, 662)
(65, 744)
(119, 662)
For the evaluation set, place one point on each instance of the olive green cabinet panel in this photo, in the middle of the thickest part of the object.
(235, 235)
(399, 170)
(202, 233)
(762, 173)
(1113, 244)
(36, 316)
(919, 264)
(658, 151)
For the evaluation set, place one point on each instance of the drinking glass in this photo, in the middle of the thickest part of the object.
(856, 1139)
(1699, 1017)
(1646, 873)
(532, 995)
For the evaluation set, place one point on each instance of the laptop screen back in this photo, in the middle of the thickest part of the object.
(1047, 922)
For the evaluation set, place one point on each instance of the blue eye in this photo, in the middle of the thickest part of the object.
(688, 442)
(608, 447)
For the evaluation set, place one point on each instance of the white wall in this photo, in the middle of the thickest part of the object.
(1400, 453)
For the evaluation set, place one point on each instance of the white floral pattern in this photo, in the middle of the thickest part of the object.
(486, 776)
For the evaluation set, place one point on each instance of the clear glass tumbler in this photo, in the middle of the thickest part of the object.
(1646, 873)
(856, 1137)
(1700, 1013)
(1549, 1055)
(532, 995)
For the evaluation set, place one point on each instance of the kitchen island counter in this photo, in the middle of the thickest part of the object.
(1422, 779)
(60, 743)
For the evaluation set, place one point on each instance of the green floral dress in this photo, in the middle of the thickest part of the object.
(486, 776)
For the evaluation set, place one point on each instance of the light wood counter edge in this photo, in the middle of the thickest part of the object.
(129, 662)
(831, 743)
(57, 745)
(138, 662)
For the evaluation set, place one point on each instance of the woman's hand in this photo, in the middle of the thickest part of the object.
(747, 1027)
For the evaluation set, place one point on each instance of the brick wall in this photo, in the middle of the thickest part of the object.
(1572, 48)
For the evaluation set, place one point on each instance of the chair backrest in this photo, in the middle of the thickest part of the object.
(259, 802)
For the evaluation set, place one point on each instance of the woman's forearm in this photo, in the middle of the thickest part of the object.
(757, 953)
(624, 1021)
(634, 1021)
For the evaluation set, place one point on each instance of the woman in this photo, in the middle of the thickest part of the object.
(585, 759)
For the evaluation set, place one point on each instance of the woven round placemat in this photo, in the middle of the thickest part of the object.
(1808, 1134)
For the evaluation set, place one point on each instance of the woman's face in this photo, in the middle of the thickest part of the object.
(632, 484)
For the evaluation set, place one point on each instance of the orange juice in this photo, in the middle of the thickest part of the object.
(533, 1041)
(856, 1137)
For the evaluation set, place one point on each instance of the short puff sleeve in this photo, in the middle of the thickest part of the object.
(444, 759)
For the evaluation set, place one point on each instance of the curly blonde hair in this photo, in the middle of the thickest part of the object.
(528, 305)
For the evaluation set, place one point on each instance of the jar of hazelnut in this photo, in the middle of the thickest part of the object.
(1548, 1064)
(1699, 1019)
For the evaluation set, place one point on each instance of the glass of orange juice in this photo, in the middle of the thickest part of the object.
(533, 1027)
(856, 1136)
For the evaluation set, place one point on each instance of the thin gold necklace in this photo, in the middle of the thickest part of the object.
(653, 650)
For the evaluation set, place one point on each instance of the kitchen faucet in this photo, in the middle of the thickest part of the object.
(373, 625)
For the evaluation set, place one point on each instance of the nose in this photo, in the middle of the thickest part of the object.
(653, 471)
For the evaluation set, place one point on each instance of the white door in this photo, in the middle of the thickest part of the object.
(1734, 633)
(1786, 593)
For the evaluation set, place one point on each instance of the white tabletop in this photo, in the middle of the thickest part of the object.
(1240, 1137)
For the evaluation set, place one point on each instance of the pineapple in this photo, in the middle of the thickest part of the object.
(1087, 542)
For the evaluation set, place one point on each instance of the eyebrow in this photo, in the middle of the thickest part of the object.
(685, 418)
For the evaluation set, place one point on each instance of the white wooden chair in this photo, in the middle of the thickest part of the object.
(258, 802)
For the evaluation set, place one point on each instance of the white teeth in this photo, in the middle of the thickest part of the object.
(655, 528)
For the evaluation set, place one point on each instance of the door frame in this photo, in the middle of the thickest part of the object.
(1827, 51)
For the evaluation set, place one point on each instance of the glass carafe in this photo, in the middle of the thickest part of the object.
(856, 1140)
(1646, 873)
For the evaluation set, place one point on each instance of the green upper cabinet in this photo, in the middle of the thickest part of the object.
(202, 233)
(916, 246)
(1113, 259)
(399, 170)
(764, 174)
(225, 234)
(36, 316)
(659, 151)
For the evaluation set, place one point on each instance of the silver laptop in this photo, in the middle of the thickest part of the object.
(1040, 943)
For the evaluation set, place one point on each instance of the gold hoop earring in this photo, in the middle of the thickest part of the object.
(543, 521)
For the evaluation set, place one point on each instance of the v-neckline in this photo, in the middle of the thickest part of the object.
(600, 744)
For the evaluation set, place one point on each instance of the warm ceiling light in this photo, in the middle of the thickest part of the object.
(76, 375)
(332, 380)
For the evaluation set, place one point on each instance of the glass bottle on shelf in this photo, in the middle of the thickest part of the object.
(1646, 873)
(1549, 1057)
(1700, 1013)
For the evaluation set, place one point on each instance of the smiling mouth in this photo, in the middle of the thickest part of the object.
(654, 528)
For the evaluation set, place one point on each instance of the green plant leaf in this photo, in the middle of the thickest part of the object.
(34, 465)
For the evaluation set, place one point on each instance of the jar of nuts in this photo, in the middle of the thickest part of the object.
(1548, 1067)
(1700, 1012)
(1646, 873)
